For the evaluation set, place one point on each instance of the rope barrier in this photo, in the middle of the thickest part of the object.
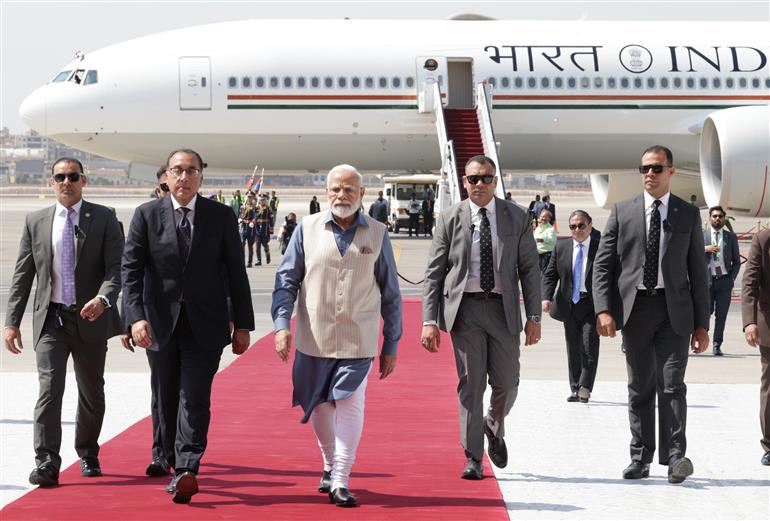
(409, 281)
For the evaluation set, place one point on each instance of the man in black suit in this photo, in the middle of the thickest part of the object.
(177, 307)
(723, 260)
(651, 281)
(73, 250)
(571, 266)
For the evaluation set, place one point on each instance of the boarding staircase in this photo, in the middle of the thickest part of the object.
(462, 134)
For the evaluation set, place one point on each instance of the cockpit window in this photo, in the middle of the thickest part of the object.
(91, 78)
(78, 76)
(62, 76)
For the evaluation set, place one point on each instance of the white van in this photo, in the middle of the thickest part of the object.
(398, 192)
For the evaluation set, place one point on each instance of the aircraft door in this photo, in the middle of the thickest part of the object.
(430, 70)
(460, 94)
(195, 83)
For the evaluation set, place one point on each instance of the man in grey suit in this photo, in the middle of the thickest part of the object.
(481, 248)
(723, 260)
(73, 248)
(650, 281)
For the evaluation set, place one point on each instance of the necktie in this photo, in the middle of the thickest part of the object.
(652, 250)
(716, 242)
(184, 234)
(577, 275)
(485, 233)
(68, 260)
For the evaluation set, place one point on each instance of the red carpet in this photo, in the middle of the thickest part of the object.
(262, 463)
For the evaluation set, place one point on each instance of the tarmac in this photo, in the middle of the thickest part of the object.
(565, 458)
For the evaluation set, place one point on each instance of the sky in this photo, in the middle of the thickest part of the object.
(37, 37)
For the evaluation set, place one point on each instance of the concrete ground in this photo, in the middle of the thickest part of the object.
(567, 458)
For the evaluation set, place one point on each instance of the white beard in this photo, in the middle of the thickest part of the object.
(343, 212)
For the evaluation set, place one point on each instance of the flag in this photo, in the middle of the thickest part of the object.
(256, 187)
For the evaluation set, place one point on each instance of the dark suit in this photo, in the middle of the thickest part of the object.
(721, 286)
(755, 309)
(579, 318)
(656, 328)
(485, 332)
(186, 304)
(58, 333)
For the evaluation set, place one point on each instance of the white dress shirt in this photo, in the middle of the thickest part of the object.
(59, 220)
(663, 209)
(717, 259)
(586, 244)
(473, 284)
(190, 215)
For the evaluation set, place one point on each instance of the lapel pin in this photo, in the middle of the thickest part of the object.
(88, 215)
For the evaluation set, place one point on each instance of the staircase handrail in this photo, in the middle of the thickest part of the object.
(448, 190)
(484, 115)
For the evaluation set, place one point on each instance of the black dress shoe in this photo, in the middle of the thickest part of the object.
(718, 350)
(473, 470)
(766, 458)
(185, 487)
(325, 485)
(679, 469)
(637, 470)
(157, 468)
(342, 498)
(44, 476)
(573, 397)
(89, 467)
(496, 449)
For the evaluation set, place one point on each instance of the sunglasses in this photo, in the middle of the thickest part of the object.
(579, 226)
(74, 177)
(474, 179)
(656, 169)
(163, 187)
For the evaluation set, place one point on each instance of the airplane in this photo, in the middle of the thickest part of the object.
(583, 97)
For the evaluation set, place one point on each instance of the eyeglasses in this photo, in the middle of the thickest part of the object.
(579, 226)
(474, 179)
(164, 187)
(74, 177)
(177, 171)
(656, 169)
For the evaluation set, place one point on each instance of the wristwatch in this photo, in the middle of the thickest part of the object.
(535, 319)
(105, 301)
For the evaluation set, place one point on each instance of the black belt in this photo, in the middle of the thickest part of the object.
(717, 277)
(650, 292)
(480, 295)
(61, 307)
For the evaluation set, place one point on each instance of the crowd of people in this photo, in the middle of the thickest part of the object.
(339, 272)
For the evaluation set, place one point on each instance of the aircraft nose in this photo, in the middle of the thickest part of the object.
(33, 111)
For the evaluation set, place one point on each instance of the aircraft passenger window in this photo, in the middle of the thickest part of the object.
(355, 82)
(767, 83)
(637, 83)
(612, 83)
(690, 83)
(505, 82)
(755, 83)
(531, 83)
(91, 78)
(598, 83)
(260, 82)
(730, 83)
(342, 82)
(571, 82)
(273, 82)
(492, 81)
(704, 83)
(409, 81)
(396, 82)
(585, 83)
(742, 83)
(545, 83)
(328, 82)
(315, 82)
(246, 82)
(650, 83)
(558, 83)
(62, 76)
(518, 82)
(664, 83)
(678, 83)
(288, 82)
(369, 82)
(624, 83)
(301, 82)
(232, 82)
(716, 83)
(384, 82)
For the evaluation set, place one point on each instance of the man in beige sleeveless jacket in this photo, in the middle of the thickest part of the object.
(339, 267)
